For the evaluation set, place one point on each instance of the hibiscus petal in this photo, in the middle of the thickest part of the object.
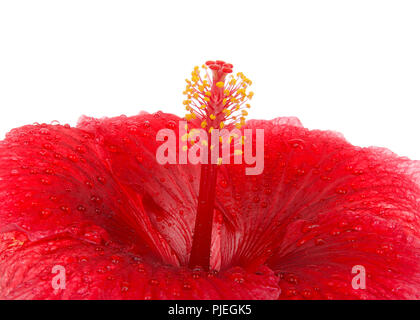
(52, 181)
(94, 271)
(321, 207)
(168, 192)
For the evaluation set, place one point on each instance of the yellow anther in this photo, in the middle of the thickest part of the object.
(204, 143)
(219, 161)
(248, 105)
(212, 147)
(184, 148)
(184, 137)
(199, 90)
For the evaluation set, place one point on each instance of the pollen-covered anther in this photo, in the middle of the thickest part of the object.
(216, 97)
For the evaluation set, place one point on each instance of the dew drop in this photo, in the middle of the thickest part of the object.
(45, 181)
(65, 209)
(89, 184)
(48, 146)
(171, 124)
(340, 191)
(186, 286)
(80, 149)
(72, 157)
(45, 213)
(139, 159)
(291, 278)
(124, 287)
(223, 183)
(335, 232)
(358, 228)
(101, 179)
(157, 114)
(153, 282)
(307, 293)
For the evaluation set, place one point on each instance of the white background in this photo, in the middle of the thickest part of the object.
(349, 66)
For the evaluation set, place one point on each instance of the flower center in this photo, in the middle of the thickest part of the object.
(215, 100)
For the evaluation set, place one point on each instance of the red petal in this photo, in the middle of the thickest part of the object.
(110, 272)
(321, 207)
(168, 193)
(52, 181)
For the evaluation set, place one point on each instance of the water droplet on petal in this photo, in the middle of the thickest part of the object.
(223, 183)
(45, 213)
(44, 131)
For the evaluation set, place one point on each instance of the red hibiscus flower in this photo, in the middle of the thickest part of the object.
(93, 202)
